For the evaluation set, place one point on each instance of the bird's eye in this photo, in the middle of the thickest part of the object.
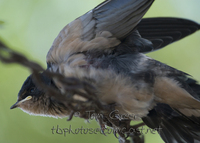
(32, 90)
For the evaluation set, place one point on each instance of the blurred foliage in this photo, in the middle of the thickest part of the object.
(30, 27)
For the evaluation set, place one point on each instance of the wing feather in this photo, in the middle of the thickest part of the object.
(101, 28)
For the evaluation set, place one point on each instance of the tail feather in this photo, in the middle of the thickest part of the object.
(175, 127)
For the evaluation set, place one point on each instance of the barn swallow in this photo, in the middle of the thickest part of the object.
(106, 47)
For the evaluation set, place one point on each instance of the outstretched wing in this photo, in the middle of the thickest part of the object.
(101, 28)
(163, 31)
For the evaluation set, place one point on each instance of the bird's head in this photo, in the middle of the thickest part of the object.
(34, 100)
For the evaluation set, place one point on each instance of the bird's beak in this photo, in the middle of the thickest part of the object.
(15, 105)
(19, 102)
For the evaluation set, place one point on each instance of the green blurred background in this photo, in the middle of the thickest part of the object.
(30, 28)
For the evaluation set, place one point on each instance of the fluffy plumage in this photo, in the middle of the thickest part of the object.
(105, 48)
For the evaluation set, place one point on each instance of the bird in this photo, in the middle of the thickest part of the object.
(106, 47)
